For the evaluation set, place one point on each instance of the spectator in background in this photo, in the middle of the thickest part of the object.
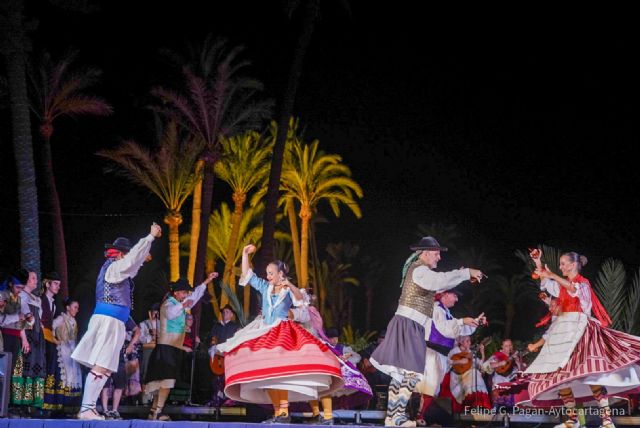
(63, 389)
(220, 332)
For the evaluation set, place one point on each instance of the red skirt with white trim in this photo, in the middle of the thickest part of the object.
(603, 357)
(286, 357)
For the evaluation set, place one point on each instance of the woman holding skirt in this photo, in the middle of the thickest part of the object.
(581, 359)
(273, 359)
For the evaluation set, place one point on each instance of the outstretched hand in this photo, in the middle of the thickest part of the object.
(211, 277)
(249, 249)
(544, 272)
(476, 275)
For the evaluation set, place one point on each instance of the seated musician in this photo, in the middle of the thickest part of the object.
(465, 382)
(220, 332)
(503, 366)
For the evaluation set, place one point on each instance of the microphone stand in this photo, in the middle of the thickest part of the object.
(193, 364)
(474, 350)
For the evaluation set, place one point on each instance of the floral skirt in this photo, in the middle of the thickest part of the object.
(27, 388)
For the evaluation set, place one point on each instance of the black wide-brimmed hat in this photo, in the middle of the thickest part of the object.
(428, 243)
(180, 285)
(120, 243)
(52, 276)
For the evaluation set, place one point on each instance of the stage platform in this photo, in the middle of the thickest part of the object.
(235, 417)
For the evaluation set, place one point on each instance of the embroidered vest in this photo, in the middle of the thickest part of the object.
(415, 297)
(114, 294)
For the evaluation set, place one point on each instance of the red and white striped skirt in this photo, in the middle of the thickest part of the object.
(602, 356)
(286, 357)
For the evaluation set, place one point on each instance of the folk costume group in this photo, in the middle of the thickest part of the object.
(581, 359)
(285, 356)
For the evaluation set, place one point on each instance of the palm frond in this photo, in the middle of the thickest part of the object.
(632, 319)
(610, 288)
(235, 303)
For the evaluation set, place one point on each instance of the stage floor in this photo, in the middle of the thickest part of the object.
(239, 417)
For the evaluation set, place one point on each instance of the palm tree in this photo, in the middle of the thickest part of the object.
(12, 46)
(249, 231)
(167, 172)
(311, 177)
(217, 100)
(244, 166)
(288, 202)
(59, 92)
(310, 18)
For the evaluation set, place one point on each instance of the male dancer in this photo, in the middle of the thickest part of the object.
(402, 354)
(99, 348)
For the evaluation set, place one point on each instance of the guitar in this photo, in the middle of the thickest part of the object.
(461, 368)
(507, 368)
(216, 364)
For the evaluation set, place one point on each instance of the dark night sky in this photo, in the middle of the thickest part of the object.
(521, 132)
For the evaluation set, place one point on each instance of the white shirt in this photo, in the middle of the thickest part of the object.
(450, 328)
(583, 292)
(174, 311)
(129, 265)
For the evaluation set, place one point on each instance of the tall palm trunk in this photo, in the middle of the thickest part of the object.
(174, 219)
(21, 134)
(196, 211)
(232, 245)
(201, 253)
(305, 216)
(295, 238)
(207, 202)
(51, 194)
(271, 205)
(320, 286)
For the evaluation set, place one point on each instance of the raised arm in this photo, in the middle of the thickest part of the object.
(128, 266)
(246, 264)
(199, 291)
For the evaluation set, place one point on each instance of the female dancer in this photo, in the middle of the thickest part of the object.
(274, 360)
(63, 388)
(581, 359)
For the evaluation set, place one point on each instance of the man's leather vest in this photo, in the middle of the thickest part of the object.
(415, 297)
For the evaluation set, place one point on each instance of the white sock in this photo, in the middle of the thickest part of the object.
(92, 388)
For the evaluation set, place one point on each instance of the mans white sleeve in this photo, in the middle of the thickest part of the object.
(196, 295)
(450, 328)
(439, 281)
(130, 264)
(354, 358)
